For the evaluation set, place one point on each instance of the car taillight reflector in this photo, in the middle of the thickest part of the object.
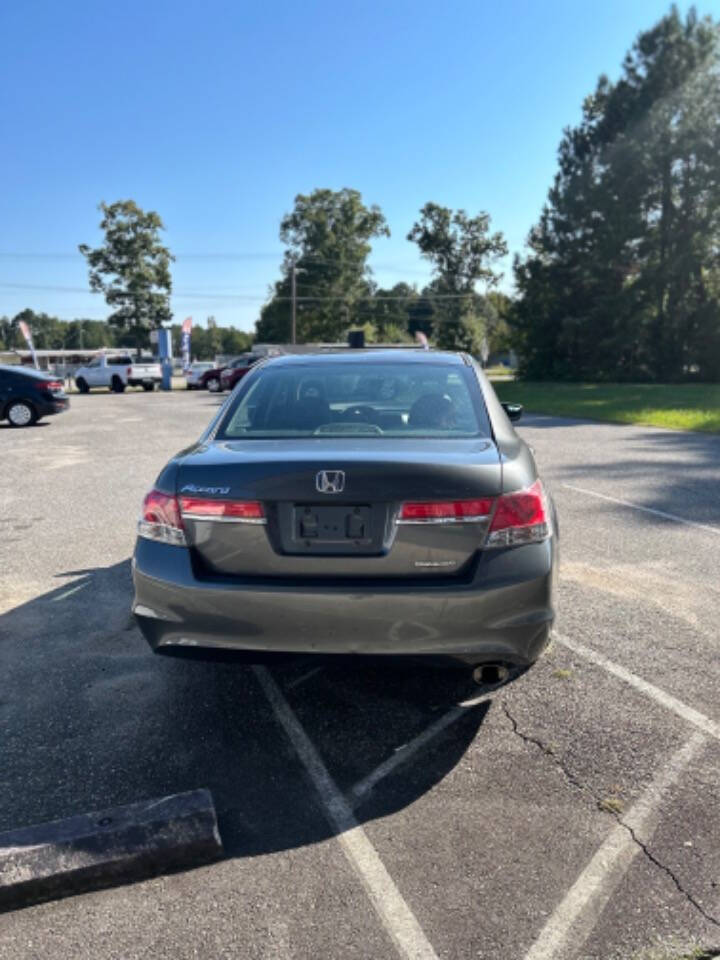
(240, 511)
(161, 519)
(52, 386)
(445, 511)
(521, 517)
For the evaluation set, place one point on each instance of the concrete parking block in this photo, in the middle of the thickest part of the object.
(104, 848)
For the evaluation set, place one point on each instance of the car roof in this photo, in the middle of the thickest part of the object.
(28, 371)
(370, 357)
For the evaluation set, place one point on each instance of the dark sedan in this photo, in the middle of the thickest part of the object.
(26, 395)
(376, 503)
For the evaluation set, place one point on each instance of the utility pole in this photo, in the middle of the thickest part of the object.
(293, 289)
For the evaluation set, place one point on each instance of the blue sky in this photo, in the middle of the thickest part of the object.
(217, 114)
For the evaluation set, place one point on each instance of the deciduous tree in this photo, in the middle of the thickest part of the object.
(462, 251)
(132, 268)
(328, 236)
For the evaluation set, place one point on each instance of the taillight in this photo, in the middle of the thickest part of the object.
(515, 518)
(522, 517)
(52, 386)
(161, 519)
(445, 511)
(230, 511)
(129, 371)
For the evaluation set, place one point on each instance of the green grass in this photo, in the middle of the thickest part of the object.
(689, 406)
(611, 804)
(500, 371)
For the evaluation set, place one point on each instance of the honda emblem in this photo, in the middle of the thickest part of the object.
(330, 481)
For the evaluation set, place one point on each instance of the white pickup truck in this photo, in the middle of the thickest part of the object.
(117, 371)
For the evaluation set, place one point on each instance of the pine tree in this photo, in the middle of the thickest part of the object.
(621, 277)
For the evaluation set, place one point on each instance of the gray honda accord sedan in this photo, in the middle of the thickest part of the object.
(367, 502)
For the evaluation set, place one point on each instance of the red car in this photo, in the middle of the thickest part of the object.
(210, 380)
(236, 370)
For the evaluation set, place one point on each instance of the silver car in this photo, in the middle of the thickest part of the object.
(194, 372)
(373, 502)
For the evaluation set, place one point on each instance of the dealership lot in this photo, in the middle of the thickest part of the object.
(370, 810)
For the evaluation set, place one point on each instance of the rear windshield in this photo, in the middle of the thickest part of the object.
(348, 400)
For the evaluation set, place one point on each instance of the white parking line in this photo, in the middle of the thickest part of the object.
(688, 713)
(395, 914)
(70, 592)
(709, 528)
(302, 678)
(582, 905)
(364, 786)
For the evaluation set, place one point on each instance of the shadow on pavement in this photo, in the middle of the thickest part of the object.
(90, 719)
(543, 421)
(38, 423)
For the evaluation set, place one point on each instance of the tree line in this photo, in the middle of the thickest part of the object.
(327, 235)
(620, 279)
(324, 272)
(51, 333)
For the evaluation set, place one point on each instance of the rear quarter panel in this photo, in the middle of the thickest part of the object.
(518, 465)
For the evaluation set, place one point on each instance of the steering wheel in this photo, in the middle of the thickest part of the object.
(360, 412)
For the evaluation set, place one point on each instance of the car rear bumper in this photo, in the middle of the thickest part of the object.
(503, 614)
(47, 408)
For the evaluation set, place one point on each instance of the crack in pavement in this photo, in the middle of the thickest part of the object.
(585, 788)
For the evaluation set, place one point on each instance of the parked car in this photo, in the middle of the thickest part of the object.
(26, 395)
(117, 372)
(236, 370)
(210, 380)
(194, 374)
(305, 521)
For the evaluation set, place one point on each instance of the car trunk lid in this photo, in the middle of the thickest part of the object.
(331, 508)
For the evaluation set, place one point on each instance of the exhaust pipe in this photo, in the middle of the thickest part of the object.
(490, 674)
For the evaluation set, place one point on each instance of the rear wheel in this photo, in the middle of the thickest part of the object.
(116, 385)
(82, 385)
(21, 413)
(213, 384)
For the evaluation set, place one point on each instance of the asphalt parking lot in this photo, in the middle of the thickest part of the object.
(372, 810)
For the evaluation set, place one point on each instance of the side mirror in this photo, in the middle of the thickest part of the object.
(513, 410)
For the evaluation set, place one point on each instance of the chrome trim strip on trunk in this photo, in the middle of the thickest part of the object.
(202, 517)
(484, 518)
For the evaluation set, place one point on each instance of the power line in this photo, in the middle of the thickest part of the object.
(253, 298)
(20, 255)
(76, 255)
